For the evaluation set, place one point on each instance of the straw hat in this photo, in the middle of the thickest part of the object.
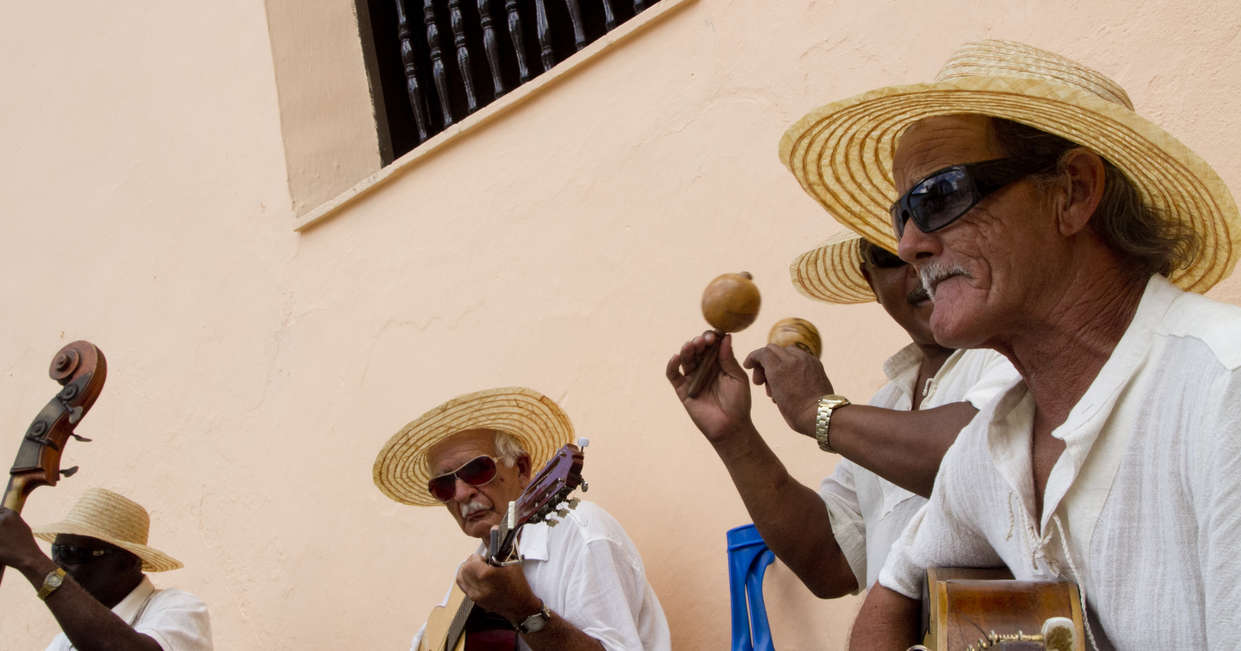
(842, 153)
(114, 519)
(401, 471)
(832, 272)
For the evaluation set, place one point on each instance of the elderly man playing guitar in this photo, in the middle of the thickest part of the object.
(580, 585)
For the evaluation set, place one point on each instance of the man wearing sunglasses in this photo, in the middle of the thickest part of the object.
(836, 539)
(1067, 232)
(94, 583)
(578, 585)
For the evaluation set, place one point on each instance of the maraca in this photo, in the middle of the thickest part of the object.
(796, 332)
(729, 303)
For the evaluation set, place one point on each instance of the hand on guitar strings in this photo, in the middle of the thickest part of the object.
(501, 590)
(794, 379)
(723, 406)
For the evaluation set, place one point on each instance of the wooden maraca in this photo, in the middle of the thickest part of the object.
(796, 332)
(729, 303)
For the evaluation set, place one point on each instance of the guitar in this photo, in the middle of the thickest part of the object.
(965, 609)
(446, 628)
(81, 369)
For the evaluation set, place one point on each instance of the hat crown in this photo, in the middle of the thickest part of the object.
(996, 58)
(112, 515)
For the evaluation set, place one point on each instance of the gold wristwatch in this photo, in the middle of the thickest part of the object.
(535, 622)
(51, 583)
(823, 419)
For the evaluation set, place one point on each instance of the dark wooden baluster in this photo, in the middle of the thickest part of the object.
(412, 87)
(437, 59)
(544, 31)
(609, 18)
(575, 16)
(463, 54)
(519, 44)
(489, 46)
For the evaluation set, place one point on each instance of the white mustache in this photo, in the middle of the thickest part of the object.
(934, 273)
(473, 506)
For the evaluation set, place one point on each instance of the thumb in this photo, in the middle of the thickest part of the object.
(728, 361)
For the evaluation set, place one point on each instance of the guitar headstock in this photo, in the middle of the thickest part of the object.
(559, 477)
(81, 369)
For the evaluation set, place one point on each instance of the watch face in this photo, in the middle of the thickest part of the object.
(55, 580)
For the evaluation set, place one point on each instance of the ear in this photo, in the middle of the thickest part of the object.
(1082, 170)
(523, 468)
(869, 281)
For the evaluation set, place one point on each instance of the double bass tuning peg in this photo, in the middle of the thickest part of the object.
(70, 471)
(79, 437)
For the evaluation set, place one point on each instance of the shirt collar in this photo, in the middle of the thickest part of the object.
(1013, 417)
(131, 606)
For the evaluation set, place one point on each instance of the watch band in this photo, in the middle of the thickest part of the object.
(823, 419)
(535, 622)
(52, 583)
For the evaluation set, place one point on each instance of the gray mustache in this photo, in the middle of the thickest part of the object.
(933, 273)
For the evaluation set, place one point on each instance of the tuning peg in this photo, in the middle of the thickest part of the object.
(79, 437)
(75, 414)
(69, 472)
(585, 486)
(562, 512)
(573, 502)
(552, 523)
(583, 442)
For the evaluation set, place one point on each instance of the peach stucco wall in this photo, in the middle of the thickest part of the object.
(255, 370)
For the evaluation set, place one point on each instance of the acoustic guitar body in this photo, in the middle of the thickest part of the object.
(967, 608)
(477, 630)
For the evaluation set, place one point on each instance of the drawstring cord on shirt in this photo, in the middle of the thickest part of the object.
(1039, 552)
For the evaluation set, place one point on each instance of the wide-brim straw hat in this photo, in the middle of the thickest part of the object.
(832, 271)
(401, 471)
(842, 153)
(115, 519)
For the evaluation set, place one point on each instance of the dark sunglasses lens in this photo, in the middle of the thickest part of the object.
(884, 259)
(442, 487)
(478, 471)
(475, 473)
(72, 554)
(941, 199)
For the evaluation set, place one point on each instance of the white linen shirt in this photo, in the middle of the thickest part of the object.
(589, 572)
(868, 512)
(1142, 509)
(177, 620)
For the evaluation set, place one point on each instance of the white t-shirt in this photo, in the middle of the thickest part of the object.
(177, 620)
(588, 571)
(1142, 509)
(868, 512)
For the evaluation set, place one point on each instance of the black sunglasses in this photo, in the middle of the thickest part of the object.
(881, 258)
(942, 197)
(76, 555)
(478, 471)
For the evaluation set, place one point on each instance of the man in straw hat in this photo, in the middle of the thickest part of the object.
(836, 540)
(1052, 223)
(94, 582)
(579, 585)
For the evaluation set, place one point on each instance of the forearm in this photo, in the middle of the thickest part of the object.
(887, 620)
(903, 447)
(88, 624)
(790, 516)
(560, 634)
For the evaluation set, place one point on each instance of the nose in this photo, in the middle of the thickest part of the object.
(462, 491)
(915, 246)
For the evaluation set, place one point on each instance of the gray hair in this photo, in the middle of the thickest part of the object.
(508, 448)
(1142, 234)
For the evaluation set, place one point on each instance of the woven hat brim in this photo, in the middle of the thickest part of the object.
(853, 141)
(153, 560)
(832, 272)
(401, 471)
